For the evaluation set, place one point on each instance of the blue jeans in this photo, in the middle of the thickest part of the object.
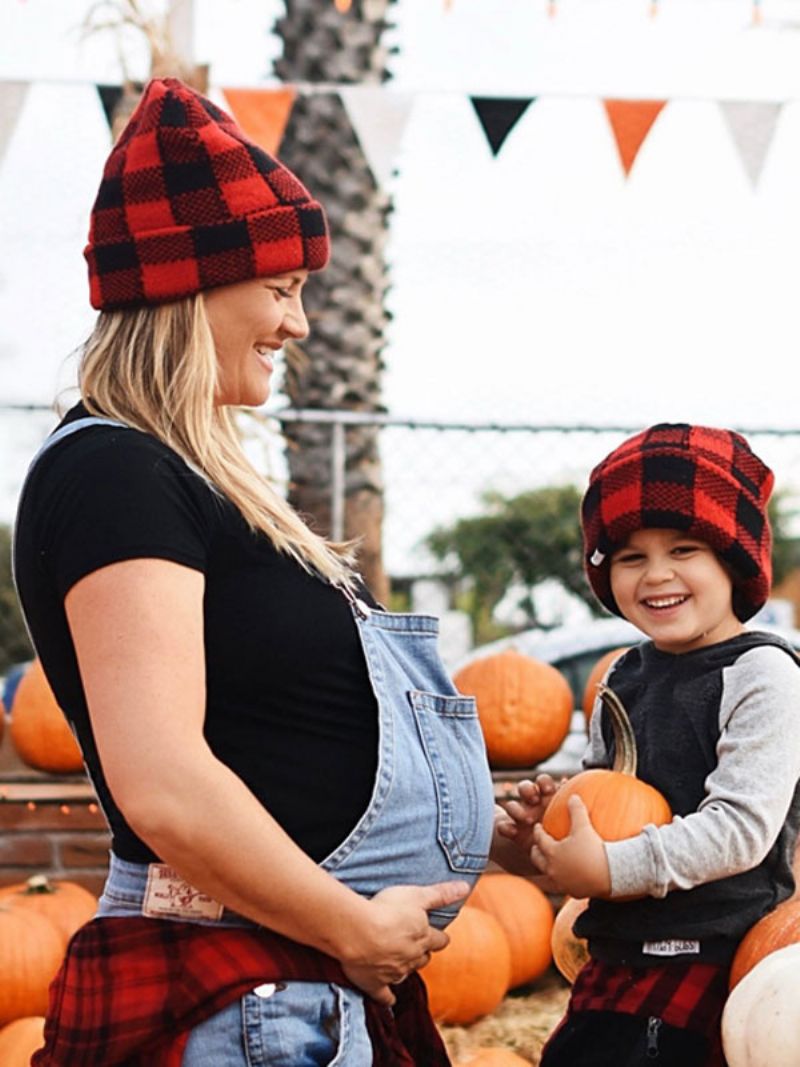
(297, 1024)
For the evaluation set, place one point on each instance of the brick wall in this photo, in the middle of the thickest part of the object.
(49, 825)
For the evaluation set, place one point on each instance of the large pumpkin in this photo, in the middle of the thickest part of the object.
(525, 706)
(779, 928)
(470, 976)
(39, 729)
(526, 916)
(570, 952)
(20, 1039)
(66, 904)
(597, 674)
(31, 950)
(493, 1056)
(619, 804)
(761, 1020)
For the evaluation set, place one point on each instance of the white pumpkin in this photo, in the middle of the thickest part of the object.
(761, 1020)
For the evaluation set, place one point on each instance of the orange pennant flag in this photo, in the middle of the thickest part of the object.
(631, 121)
(262, 113)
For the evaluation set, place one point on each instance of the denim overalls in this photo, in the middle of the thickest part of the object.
(429, 819)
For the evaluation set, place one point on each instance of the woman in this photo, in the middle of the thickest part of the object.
(299, 799)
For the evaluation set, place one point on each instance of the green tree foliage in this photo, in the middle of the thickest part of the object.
(523, 540)
(519, 542)
(785, 548)
(14, 644)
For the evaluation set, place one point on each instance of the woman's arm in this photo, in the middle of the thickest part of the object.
(138, 633)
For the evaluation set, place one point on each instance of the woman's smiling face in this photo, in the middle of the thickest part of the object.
(675, 589)
(250, 321)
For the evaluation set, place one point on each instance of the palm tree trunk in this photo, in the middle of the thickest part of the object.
(342, 365)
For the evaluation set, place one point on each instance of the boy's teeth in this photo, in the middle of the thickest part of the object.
(664, 602)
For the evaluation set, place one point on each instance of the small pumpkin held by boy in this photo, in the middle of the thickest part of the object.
(678, 542)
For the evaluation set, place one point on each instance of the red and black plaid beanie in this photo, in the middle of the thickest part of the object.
(188, 202)
(704, 481)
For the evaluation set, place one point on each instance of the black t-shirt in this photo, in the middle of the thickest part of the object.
(289, 707)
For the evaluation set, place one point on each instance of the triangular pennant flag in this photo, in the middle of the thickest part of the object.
(262, 113)
(498, 116)
(752, 126)
(110, 96)
(631, 121)
(379, 118)
(12, 97)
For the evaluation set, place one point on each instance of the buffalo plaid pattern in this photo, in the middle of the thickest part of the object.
(131, 989)
(187, 202)
(688, 996)
(704, 481)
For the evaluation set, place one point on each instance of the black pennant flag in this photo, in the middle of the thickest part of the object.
(498, 115)
(109, 98)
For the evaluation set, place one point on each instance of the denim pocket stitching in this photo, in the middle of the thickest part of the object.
(427, 705)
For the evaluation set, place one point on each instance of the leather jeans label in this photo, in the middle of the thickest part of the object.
(169, 896)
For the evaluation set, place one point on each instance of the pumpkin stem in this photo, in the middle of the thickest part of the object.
(38, 884)
(624, 738)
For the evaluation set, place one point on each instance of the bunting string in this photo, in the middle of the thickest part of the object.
(380, 116)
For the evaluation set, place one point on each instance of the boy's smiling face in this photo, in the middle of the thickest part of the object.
(675, 589)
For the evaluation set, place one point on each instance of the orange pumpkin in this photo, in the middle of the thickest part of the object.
(525, 706)
(570, 953)
(493, 1056)
(20, 1039)
(67, 905)
(526, 916)
(470, 976)
(619, 804)
(597, 674)
(31, 950)
(39, 729)
(777, 929)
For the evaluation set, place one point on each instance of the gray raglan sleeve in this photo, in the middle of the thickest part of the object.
(748, 794)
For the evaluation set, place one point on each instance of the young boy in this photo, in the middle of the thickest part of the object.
(677, 541)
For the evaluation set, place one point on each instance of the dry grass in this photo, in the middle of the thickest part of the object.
(522, 1023)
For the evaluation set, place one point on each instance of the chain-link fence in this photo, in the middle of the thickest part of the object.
(434, 473)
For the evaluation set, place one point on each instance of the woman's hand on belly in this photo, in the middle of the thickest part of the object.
(396, 937)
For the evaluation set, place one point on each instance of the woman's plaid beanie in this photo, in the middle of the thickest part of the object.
(704, 481)
(188, 202)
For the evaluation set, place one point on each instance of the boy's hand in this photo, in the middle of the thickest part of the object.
(577, 864)
(512, 839)
(523, 814)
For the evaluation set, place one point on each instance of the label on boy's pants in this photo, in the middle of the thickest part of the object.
(671, 948)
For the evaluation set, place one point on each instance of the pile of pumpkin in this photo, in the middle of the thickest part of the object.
(37, 919)
(38, 728)
(500, 940)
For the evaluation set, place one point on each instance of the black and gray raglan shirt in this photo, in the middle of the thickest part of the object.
(718, 733)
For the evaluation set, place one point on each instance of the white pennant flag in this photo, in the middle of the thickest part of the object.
(12, 97)
(752, 126)
(379, 117)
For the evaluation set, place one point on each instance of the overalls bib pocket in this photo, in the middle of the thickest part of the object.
(454, 748)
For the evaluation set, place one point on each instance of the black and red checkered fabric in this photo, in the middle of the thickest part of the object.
(679, 994)
(130, 990)
(704, 481)
(188, 202)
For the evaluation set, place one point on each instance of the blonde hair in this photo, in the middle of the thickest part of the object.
(155, 368)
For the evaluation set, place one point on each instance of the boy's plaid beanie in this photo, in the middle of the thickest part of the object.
(188, 202)
(704, 481)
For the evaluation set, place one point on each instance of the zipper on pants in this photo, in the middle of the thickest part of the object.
(653, 1026)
